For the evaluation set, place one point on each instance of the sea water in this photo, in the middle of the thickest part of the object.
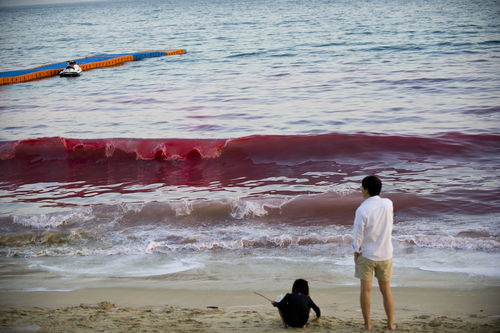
(238, 164)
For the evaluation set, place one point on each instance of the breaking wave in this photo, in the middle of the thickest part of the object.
(258, 148)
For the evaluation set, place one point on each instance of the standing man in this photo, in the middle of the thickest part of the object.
(373, 248)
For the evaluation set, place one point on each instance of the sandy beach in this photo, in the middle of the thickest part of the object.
(150, 310)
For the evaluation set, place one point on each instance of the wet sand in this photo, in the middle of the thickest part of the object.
(150, 310)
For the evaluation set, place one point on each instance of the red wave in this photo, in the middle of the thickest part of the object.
(258, 148)
(305, 148)
(58, 148)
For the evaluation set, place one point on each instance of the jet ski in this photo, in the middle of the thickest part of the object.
(71, 70)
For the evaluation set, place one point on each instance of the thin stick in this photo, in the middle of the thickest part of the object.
(270, 300)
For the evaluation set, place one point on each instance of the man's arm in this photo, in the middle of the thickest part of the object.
(357, 234)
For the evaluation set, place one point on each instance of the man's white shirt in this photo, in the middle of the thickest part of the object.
(372, 229)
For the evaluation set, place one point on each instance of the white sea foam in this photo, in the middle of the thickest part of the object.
(116, 266)
(52, 220)
(152, 240)
(184, 208)
(149, 228)
(152, 246)
(246, 209)
(472, 270)
(450, 242)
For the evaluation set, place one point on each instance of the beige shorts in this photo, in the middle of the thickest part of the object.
(365, 268)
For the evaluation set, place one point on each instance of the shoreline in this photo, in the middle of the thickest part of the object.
(182, 310)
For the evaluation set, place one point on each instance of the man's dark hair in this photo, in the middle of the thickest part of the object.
(300, 286)
(373, 184)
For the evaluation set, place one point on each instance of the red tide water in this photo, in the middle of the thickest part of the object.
(274, 148)
(58, 148)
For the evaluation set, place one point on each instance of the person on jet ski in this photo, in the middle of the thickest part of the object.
(72, 64)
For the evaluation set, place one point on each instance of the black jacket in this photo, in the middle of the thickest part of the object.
(295, 309)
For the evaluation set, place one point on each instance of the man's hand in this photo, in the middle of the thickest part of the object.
(356, 256)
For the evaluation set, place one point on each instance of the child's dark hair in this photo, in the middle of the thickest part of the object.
(300, 286)
(372, 184)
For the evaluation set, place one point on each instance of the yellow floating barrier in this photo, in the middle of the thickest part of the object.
(85, 64)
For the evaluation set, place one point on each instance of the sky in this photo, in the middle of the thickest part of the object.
(8, 3)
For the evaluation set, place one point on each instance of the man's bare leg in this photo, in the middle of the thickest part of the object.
(385, 289)
(365, 300)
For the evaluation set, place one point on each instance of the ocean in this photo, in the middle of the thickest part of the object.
(238, 164)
